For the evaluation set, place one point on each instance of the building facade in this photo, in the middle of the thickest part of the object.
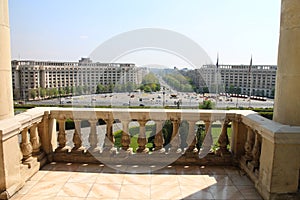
(257, 80)
(27, 75)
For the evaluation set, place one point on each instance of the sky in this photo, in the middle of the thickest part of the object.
(66, 30)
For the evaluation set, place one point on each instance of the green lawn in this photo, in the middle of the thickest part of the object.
(216, 131)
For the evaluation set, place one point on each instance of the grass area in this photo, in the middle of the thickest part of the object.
(216, 131)
(19, 110)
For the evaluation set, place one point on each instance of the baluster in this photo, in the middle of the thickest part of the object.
(254, 164)
(192, 139)
(77, 136)
(249, 145)
(109, 140)
(223, 140)
(207, 143)
(142, 139)
(35, 139)
(26, 147)
(175, 140)
(159, 139)
(61, 135)
(93, 139)
(125, 140)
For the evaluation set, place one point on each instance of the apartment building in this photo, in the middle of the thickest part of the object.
(28, 74)
(255, 80)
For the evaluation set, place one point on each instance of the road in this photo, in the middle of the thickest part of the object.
(157, 99)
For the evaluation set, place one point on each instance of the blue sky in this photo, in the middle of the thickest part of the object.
(67, 30)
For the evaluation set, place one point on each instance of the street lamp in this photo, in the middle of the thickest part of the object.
(164, 96)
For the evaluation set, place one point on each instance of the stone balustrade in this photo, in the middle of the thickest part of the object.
(268, 152)
(21, 150)
(176, 151)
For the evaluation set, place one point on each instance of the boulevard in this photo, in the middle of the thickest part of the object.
(157, 99)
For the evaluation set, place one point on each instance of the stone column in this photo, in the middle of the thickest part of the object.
(6, 95)
(287, 96)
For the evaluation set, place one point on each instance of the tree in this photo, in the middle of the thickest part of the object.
(79, 90)
(205, 90)
(206, 105)
(150, 83)
(85, 89)
(55, 92)
(67, 90)
(73, 90)
(147, 88)
(61, 91)
(100, 89)
(118, 88)
(129, 87)
(32, 93)
(43, 92)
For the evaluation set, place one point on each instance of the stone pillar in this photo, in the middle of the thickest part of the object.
(287, 96)
(6, 95)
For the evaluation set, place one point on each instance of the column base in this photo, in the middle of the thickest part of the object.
(142, 150)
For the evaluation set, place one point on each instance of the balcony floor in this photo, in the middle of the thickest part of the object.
(64, 181)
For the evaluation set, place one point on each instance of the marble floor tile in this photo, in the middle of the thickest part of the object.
(135, 192)
(195, 192)
(225, 192)
(192, 180)
(85, 177)
(27, 187)
(165, 192)
(75, 190)
(249, 192)
(240, 180)
(56, 176)
(162, 179)
(94, 181)
(218, 180)
(187, 169)
(110, 178)
(44, 188)
(38, 176)
(105, 191)
(137, 179)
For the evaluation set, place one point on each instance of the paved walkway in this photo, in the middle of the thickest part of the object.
(67, 181)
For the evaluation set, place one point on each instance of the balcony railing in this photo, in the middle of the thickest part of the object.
(268, 152)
